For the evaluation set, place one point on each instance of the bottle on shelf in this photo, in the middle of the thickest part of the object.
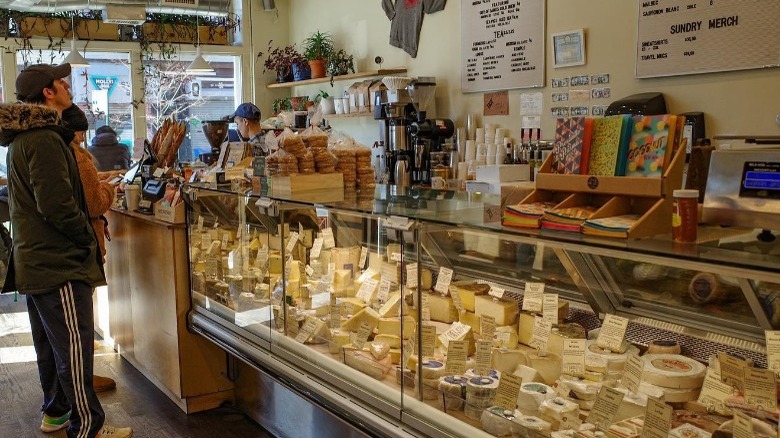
(537, 148)
(508, 158)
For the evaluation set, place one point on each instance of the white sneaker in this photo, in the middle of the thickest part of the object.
(114, 432)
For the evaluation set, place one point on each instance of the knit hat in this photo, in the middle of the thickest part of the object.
(75, 119)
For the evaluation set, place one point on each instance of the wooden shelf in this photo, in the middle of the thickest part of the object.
(347, 116)
(363, 74)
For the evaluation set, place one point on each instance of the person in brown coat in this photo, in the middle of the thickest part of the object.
(99, 195)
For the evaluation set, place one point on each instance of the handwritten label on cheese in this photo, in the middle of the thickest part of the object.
(773, 350)
(761, 388)
(309, 270)
(541, 333)
(743, 425)
(604, 409)
(457, 301)
(211, 267)
(316, 248)
(714, 392)
(550, 308)
(533, 297)
(384, 290)
(484, 354)
(363, 257)
(309, 327)
(456, 332)
(508, 390)
(658, 419)
(362, 334)
(225, 241)
(395, 257)
(411, 275)
(487, 327)
(327, 239)
(732, 370)
(612, 333)
(200, 223)
(443, 280)
(428, 340)
(425, 303)
(366, 291)
(632, 373)
(496, 292)
(407, 352)
(291, 243)
(573, 360)
(262, 257)
(457, 352)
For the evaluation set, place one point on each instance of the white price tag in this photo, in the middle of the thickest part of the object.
(384, 290)
(541, 333)
(363, 257)
(160, 171)
(550, 308)
(497, 292)
(293, 240)
(366, 291)
(200, 224)
(443, 281)
(262, 256)
(426, 307)
(309, 270)
(411, 275)
(316, 248)
(327, 238)
(395, 257)
(224, 241)
(533, 297)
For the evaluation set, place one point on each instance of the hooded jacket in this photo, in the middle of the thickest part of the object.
(109, 153)
(53, 239)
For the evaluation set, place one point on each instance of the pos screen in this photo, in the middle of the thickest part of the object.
(132, 172)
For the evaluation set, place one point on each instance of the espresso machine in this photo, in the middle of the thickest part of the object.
(428, 135)
(395, 110)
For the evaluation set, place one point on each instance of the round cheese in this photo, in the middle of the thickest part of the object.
(430, 389)
(615, 361)
(454, 390)
(557, 410)
(497, 421)
(531, 397)
(663, 347)
(705, 288)
(432, 369)
(493, 374)
(673, 371)
(536, 424)
(480, 392)
(673, 395)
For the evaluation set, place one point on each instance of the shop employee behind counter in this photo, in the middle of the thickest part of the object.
(247, 119)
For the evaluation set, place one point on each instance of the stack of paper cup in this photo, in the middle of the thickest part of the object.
(460, 142)
(481, 151)
(480, 137)
(490, 132)
(471, 150)
(500, 133)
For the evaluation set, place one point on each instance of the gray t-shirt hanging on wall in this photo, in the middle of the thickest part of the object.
(407, 18)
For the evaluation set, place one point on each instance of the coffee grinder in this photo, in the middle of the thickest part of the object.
(216, 132)
(394, 115)
(428, 135)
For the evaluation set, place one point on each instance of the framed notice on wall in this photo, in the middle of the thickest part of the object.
(502, 44)
(702, 36)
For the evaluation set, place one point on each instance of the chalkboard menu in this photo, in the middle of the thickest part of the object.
(698, 36)
(502, 44)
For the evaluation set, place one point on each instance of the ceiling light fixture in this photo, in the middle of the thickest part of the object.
(74, 58)
(199, 64)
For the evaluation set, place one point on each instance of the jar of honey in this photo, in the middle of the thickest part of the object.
(685, 217)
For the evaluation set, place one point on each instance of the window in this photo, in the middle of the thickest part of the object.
(103, 90)
(172, 92)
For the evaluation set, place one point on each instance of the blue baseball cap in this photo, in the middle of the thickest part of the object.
(248, 111)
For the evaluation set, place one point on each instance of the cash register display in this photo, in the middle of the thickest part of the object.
(760, 179)
(132, 172)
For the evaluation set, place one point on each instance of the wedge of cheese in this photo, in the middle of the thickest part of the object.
(468, 291)
(350, 305)
(504, 311)
(366, 314)
(390, 308)
(458, 332)
(338, 339)
(392, 326)
(505, 337)
(562, 332)
(471, 320)
(392, 340)
(442, 308)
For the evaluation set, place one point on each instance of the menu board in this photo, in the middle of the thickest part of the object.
(502, 44)
(700, 36)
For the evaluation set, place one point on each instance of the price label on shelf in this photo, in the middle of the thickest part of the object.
(411, 275)
(426, 307)
(366, 291)
(658, 419)
(496, 292)
(612, 332)
(309, 327)
(484, 355)
(550, 308)
(262, 257)
(316, 248)
(533, 297)
(573, 360)
(443, 280)
(428, 340)
(508, 391)
(291, 243)
(541, 333)
(384, 290)
(363, 257)
(606, 406)
(327, 238)
(457, 352)
(632, 374)
(335, 314)
(224, 242)
(309, 270)
(200, 224)
(487, 326)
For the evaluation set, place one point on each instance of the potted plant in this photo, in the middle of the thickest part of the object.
(281, 60)
(326, 102)
(281, 104)
(317, 48)
(340, 63)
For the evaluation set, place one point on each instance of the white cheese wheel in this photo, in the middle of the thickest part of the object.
(580, 388)
(531, 423)
(615, 361)
(432, 369)
(672, 395)
(493, 374)
(531, 397)
(663, 347)
(430, 389)
(556, 410)
(548, 365)
(454, 390)
(689, 431)
(673, 371)
(498, 421)
(507, 361)
(480, 394)
(527, 374)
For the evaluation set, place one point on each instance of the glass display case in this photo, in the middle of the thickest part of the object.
(411, 303)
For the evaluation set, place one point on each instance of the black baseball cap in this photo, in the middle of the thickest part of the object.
(32, 80)
(247, 110)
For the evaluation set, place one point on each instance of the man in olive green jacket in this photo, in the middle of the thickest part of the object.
(55, 260)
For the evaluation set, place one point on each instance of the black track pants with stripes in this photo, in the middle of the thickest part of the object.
(62, 325)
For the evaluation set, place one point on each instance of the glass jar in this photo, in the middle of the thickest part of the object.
(685, 217)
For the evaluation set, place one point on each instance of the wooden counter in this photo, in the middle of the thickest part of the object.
(148, 300)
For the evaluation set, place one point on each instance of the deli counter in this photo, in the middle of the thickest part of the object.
(399, 311)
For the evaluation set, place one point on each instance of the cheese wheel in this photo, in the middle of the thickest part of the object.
(689, 431)
(596, 364)
(493, 374)
(673, 395)
(615, 361)
(430, 389)
(673, 371)
(527, 374)
(454, 390)
(663, 347)
(556, 410)
(531, 397)
(498, 421)
(531, 423)
(480, 394)
(548, 365)
(432, 369)
(581, 389)
(705, 288)
(404, 377)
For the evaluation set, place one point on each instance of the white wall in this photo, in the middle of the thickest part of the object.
(743, 102)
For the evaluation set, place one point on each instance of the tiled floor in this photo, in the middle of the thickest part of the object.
(135, 402)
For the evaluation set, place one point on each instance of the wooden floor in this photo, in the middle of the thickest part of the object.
(135, 403)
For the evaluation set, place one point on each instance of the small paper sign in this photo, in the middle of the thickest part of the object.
(484, 354)
(761, 389)
(408, 352)
(604, 409)
(573, 360)
(496, 291)
(508, 390)
(541, 333)
(395, 257)
(366, 291)
(384, 290)
(456, 331)
(487, 327)
(550, 306)
(262, 257)
(363, 257)
(411, 275)
(457, 301)
(532, 298)
(773, 350)
(200, 224)
(425, 302)
(205, 241)
(443, 280)
(224, 241)
(612, 332)
(316, 248)
(309, 270)
(496, 104)
(732, 370)
(291, 243)
(309, 327)
(362, 334)
(658, 419)
(212, 266)
(632, 373)
(743, 426)
(714, 392)
(335, 314)
(327, 239)
(428, 340)
(457, 351)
